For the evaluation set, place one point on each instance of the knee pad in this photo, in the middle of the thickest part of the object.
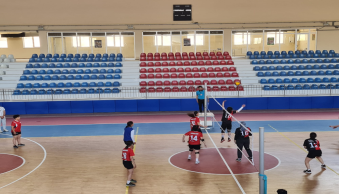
(190, 150)
(196, 152)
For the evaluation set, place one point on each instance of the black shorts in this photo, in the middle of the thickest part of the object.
(128, 142)
(128, 164)
(313, 154)
(195, 147)
(16, 133)
(226, 126)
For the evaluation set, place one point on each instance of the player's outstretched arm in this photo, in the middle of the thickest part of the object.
(203, 141)
(243, 106)
(335, 126)
(223, 103)
(183, 138)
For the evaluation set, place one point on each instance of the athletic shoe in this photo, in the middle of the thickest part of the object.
(307, 171)
(238, 159)
(250, 158)
(15, 146)
(197, 162)
(222, 140)
(5, 130)
(21, 145)
(130, 185)
(189, 157)
(323, 166)
(133, 181)
(229, 139)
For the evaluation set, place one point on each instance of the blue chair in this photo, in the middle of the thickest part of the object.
(266, 87)
(290, 73)
(112, 59)
(301, 67)
(109, 76)
(60, 85)
(317, 80)
(36, 65)
(77, 55)
(52, 65)
(50, 91)
(294, 56)
(276, 62)
(65, 71)
(305, 73)
(107, 90)
(52, 85)
(25, 92)
(310, 80)
(309, 56)
(330, 86)
(298, 73)
(31, 60)
(283, 53)
(82, 65)
(70, 77)
(28, 85)
(249, 53)
(70, 55)
(260, 74)
(266, 56)
(271, 68)
(326, 60)
(103, 65)
(39, 77)
(286, 80)
(44, 85)
(314, 86)
(118, 65)
(294, 67)
(328, 72)
(276, 53)
(80, 71)
(254, 53)
(291, 52)
(302, 80)
(288, 56)
(34, 92)
(268, 62)
(90, 60)
(275, 74)
(311, 61)
(321, 73)
(323, 67)
(281, 87)
(333, 79)
(97, 59)
(304, 61)
(58, 91)
(115, 90)
(120, 55)
(88, 71)
(112, 64)
(279, 67)
(290, 61)
(83, 91)
(103, 71)
(91, 91)
(309, 67)
(29, 65)
(68, 85)
(313, 73)
(283, 73)
(333, 60)
(261, 53)
(67, 65)
(306, 87)
(274, 87)
(286, 67)
(294, 80)
(74, 65)
(95, 71)
(331, 52)
(311, 52)
(325, 52)
(322, 86)
(266, 74)
(62, 77)
(84, 55)
(105, 55)
(50, 71)
(47, 77)
(41, 91)
(77, 77)
(317, 52)
(74, 91)
(262, 62)
(23, 77)
(278, 81)
(337, 86)
(100, 84)
(98, 55)
(101, 76)
(82, 60)
(44, 65)
(319, 61)
(20, 85)
(304, 52)
(76, 84)
(274, 56)
(84, 84)
(68, 60)
(104, 59)
(55, 77)
(92, 84)
(36, 56)
(116, 84)
(264, 68)
(61, 60)
(89, 65)
(326, 80)
(316, 67)
(110, 71)
(271, 81)
(94, 77)
(297, 61)
(57, 71)
(26, 72)
(302, 56)
(108, 84)
(86, 77)
(66, 91)
(72, 71)
(298, 87)
(31, 77)
(63, 55)
(96, 65)
(316, 55)
(54, 60)
(38, 60)
(283, 61)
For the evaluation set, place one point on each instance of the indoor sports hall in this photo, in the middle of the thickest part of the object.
(152, 97)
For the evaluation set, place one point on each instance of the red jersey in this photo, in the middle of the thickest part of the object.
(126, 154)
(16, 125)
(194, 137)
(194, 121)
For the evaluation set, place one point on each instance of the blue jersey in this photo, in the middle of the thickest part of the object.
(129, 134)
(201, 94)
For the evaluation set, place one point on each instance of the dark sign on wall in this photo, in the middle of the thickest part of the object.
(182, 12)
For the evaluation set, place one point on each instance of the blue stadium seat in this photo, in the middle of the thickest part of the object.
(281, 87)
(313, 73)
(96, 65)
(100, 84)
(116, 84)
(274, 87)
(101, 76)
(84, 55)
(96, 71)
(316, 67)
(294, 67)
(302, 80)
(309, 67)
(26, 72)
(311, 52)
(323, 66)
(321, 73)
(266, 87)
(61, 60)
(60, 85)
(266, 56)
(283, 61)
(41, 92)
(25, 92)
(107, 90)
(35, 56)
(260, 74)
(52, 85)
(88, 65)
(290, 61)
(333, 79)
(274, 56)
(44, 65)
(23, 77)
(298, 73)
(286, 67)
(111, 59)
(112, 64)
(271, 68)
(305, 73)
(306, 87)
(50, 91)
(88, 71)
(94, 77)
(38, 60)
(254, 53)
(290, 87)
(67, 65)
(249, 53)
(29, 65)
(31, 77)
(66, 91)
(57, 71)
(104, 70)
(39, 77)
(298, 87)
(335, 72)
(33, 92)
(77, 77)
(120, 55)
(283, 73)
(264, 68)
(294, 80)
(337, 86)
(326, 60)
(278, 80)
(279, 67)
(54, 60)
(110, 71)
(31, 60)
(92, 84)
(319, 61)
(47, 77)
(118, 65)
(294, 56)
(80, 71)
(91, 91)
(90, 60)
(115, 90)
(317, 52)
(263, 81)
(108, 84)
(331, 52)
(104, 59)
(52, 65)
(72, 71)
(62, 77)
(55, 77)
(297, 61)
(309, 56)
(74, 65)
(283, 53)
(86, 77)
(261, 53)
(262, 62)
(268, 62)
(317, 80)
(63, 55)
(98, 55)
(82, 60)
(50, 71)
(113, 55)
(271, 81)
(314, 86)
(68, 85)
(286, 80)
(304, 52)
(301, 67)
(36, 65)
(83, 91)
(68, 60)
(333, 60)
(109, 76)
(290, 73)
(304, 61)
(76, 84)
(58, 91)
(328, 72)
(20, 85)
(276, 53)
(266, 74)
(28, 85)
(103, 65)
(44, 85)
(74, 91)
(82, 65)
(105, 55)
(325, 52)
(84, 84)
(290, 52)
(275, 73)
(311, 61)
(330, 86)
(65, 71)
(70, 55)
(322, 86)
(97, 59)
(325, 80)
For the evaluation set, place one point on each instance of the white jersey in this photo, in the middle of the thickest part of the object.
(2, 109)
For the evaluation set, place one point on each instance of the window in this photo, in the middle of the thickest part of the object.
(3, 43)
(31, 42)
(275, 35)
(82, 41)
(114, 41)
(302, 37)
(241, 38)
(198, 38)
(161, 40)
(257, 40)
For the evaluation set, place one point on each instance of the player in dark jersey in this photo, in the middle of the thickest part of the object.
(313, 147)
(194, 142)
(195, 120)
(227, 121)
(241, 138)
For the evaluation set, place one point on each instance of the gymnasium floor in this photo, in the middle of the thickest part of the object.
(74, 154)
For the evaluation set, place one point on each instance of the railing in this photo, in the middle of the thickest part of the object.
(6, 95)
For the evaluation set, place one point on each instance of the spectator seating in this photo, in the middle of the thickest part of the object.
(291, 54)
(76, 58)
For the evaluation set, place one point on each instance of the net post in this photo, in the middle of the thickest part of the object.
(205, 105)
(262, 176)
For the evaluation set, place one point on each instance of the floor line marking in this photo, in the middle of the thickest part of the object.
(43, 160)
(23, 162)
(135, 145)
(300, 147)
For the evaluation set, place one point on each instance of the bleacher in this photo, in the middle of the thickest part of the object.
(75, 58)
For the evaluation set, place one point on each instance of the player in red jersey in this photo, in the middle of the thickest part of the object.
(129, 163)
(195, 120)
(314, 151)
(16, 131)
(194, 142)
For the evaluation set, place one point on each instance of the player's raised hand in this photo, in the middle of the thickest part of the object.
(243, 105)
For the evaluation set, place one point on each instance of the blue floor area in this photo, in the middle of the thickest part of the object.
(167, 128)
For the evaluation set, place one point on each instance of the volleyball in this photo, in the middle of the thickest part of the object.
(237, 83)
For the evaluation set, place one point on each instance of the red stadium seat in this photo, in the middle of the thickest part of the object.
(190, 83)
(224, 69)
(143, 70)
(143, 76)
(149, 54)
(150, 76)
(151, 83)
(142, 54)
(150, 64)
(232, 69)
(189, 75)
(157, 64)
(173, 70)
(204, 75)
(147, 59)
(175, 89)
(226, 53)
(214, 58)
(191, 54)
(231, 88)
(219, 54)
(195, 69)
(191, 89)
(171, 58)
(222, 62)
(220, 75)
(229, 82)
(228, 57)
(156, 54)
(198, 82)
(230, 63)
(167, 89)
(158, 83)
(209, 88)
(183, 89)
(196, 75)
(185, 58)
(181, 69)
(192, 58)
(178, 58)
(240, 88)
(217, 69)
(164, 64)
(210, 69)
(220, 57)
(235, 75)
(164, 58)
(158, 70)
(208, 63)
(187, 63)
(177, 54)
(184, 54)
(215, 89)
(202, 69)
(165, 70)
(156, 59)
(158, 76)
(171, 63)
(163, 54)
(167, 83)
(215, 63)
(205, 54)
(180, 63)
(198, 54)
(159, 89)
(182, 83)
(142, 90)
(174, 83)
(187, 69)
(207, 58)
(200, 58)
(212, 53)
(223, 88)
(151, 90)
(166, 76)
(150, 70)
(143, 83)
(237, 80)
(214, 82)
(174, 76)
(170, 54)
(201, 63)
(227, 75)
(181, 75)
(142, 64)
(221, 82)
(194, 63)
(205, 82)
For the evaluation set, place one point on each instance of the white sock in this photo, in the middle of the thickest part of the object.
(222, 136)
(197, 159)
(128, 182)
(189, 156)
